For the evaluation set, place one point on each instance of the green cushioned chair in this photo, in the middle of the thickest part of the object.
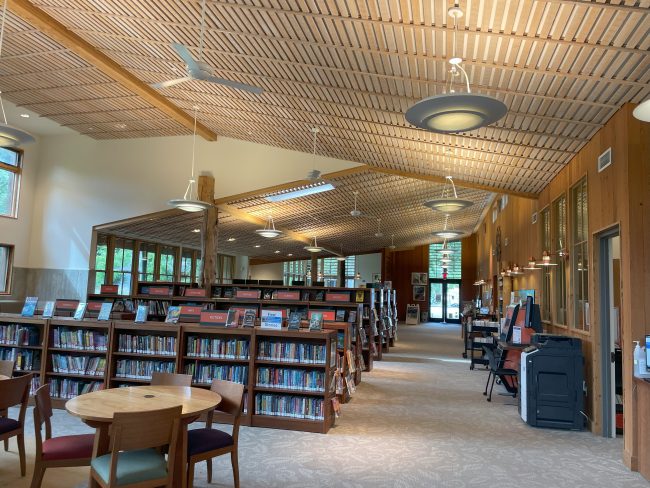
(133, 461)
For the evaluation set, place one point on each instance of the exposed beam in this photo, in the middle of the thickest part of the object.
(64, 36)
(286, 186)
(620, 7)
(461, 183)
(246, 217)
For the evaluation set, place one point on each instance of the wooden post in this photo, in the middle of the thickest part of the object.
(208, 273)
(341, 273)
(314, 269)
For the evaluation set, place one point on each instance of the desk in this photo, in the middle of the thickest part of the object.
(97, 409)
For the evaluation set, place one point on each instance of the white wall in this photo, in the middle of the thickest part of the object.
(82, 182)
(271, 271)
(367, 265)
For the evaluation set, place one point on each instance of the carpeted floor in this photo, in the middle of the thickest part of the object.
(418, 420)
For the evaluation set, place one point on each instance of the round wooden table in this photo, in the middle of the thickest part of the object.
(97, 409)
(3, 377)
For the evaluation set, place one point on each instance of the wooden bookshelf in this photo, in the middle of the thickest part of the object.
(77, 340)
(27, 353)
(143, 357)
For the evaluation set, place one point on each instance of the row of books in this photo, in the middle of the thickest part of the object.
(291, 379)
(63, 363)
(19, 335)
(142, 369)
(218, 348)
(296, 407)
(205, 373)
(35, 385)
(291, 352)
(68, 388)
(89, 340)
(147, 344)
(156, 307)
(24, 359)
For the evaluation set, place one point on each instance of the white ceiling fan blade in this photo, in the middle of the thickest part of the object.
(168, 83)
(186, 56)
(234, 84)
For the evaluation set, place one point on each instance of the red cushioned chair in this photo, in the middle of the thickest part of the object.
(56, 452)
(205, 444)
(15, 391)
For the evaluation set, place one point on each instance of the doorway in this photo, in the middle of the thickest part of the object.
(444, 301)
(611, 360)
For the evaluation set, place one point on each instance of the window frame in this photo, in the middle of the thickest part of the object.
(545, 239)
(10, 267)
(580, 248)
(560, 288)
(17, 170)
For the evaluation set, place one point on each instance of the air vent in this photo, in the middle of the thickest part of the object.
(605, 159)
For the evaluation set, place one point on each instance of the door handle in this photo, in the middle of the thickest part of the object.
(612, 357)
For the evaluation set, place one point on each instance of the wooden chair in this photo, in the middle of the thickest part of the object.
(15, 391)
(6, 369)
(171, 379)
(205, 444)
(55, 452)
(134, 460)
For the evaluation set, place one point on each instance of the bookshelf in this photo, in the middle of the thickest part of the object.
(294, 373)
(22, 340)
(137, 350)
(76, 357)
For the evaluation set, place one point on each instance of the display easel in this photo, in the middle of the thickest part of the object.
(412, 314)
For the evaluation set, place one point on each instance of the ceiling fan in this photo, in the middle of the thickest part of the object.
(198, 70)
(355, 212)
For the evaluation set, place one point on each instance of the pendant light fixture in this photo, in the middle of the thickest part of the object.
(546, 260)
(379, 233)
(456, 112)
(447, 203)
(532, 265)
(642, 111)
(313, 247)
(448, 232)
(190, 201)
(445, 249)
(10, 136)
(341, 257)
(516, 271)
(392, 242)
(269, 231)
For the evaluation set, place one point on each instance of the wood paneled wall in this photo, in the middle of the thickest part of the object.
(619, 195)
(398, 266)
(469, 272)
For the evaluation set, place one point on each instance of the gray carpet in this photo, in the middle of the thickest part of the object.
(418, 420)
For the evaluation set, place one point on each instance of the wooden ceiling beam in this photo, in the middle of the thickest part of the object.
(252, 219)
(445, 28)
(287, 186)
(620, 7)
(86, 51)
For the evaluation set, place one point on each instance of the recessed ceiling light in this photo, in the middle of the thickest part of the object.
(290, 254)
(120, 126)
(277, 252)
(231, 239)
(196, 230)
(257, 245)
(24, 116)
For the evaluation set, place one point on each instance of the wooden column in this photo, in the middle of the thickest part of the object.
(341, 273)
(314, 268)
(208, 273)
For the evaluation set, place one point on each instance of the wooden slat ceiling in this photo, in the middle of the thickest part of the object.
(325, 216)
(351, 67)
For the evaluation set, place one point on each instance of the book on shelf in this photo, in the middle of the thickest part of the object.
(291, 352)
(291, 379)
(294, 320)
(352, 316)
(173, 314)
(336, 407)
(142, 369)
(141, 314)
(86, 365)
(326, 315)
(249, 318)
(147, 344)
(228, 292)
(340, 339)
(19, 335)
(306, 296)
(205, 373)
(297, 407)
(80, 311)
(359, 296)
(349, 355)
(319, 296)
(267, 295)
(349, 384)
(315, 320)
(48, 310)
(24, 359)
(123, 305)
(340, 315)
(216, 292)
(218, 347)
(67, 388)
(29, 308)
(271, 319)
(232, 319)
(75, 338)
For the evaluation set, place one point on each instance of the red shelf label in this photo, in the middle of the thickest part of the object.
(94, 306)
(109, 289)
(248, 293)
(287, 295)
(214, 318)
(337, 297)
(66, 305)
(195, 292)
(160, 290)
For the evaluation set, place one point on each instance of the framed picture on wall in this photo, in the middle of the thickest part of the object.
(419, 293)
(419, 278)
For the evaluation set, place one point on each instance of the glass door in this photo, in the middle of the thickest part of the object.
(436, 309)
(452, 302)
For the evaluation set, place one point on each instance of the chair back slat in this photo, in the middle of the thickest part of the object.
(171, 379)
(141, 430)
(7, 367)
(15, 391)
(42, 411)
(232, 396)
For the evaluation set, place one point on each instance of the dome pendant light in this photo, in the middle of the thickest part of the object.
(190, 201)
(447, 233)
(269, 231)
(447, 204)
(642, 111)
(455, 112)
(313, 247)
(392, 242)
(10, 136)
(341, 257)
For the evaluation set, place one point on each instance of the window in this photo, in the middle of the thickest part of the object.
(558, 246)
(167, 262)
(454, 267)
(10, 169)
(545, 217)
(6, 262)
(350, 271)
(295, 271)
(328, 269)
(147, 262)
(187, 258)
(101, 255)
(123, 265)
(580, 254)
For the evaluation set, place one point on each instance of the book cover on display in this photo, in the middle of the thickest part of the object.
(294, 321)
(80, 311)
(316, 321)
(48, 310)
(29, 308)
(233, 318)
(249, 318)
(359, 296)
(173, 314)
(271, 319)
(105, 311)
(141, 314)
(340, 315)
